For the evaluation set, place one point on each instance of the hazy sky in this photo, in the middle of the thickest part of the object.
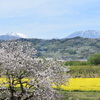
(49, 18)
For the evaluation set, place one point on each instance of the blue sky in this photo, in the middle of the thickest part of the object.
(48, 19)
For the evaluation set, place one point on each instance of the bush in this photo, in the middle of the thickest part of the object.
(76, 63)
(94, 59)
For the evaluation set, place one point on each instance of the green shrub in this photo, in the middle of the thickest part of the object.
(94, 59)
(76, 63)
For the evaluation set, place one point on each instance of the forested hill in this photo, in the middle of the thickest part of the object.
(67, 49)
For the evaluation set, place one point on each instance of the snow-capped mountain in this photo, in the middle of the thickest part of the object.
(12, 36)
(85, 34)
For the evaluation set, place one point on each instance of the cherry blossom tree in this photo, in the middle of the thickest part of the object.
(28, 77)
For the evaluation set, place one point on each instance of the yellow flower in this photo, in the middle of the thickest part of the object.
(82, 84)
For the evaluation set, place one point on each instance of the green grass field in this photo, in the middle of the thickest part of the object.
(81, 95)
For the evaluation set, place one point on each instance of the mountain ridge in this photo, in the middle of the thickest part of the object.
(92, 34)
(85, 34)
(12, 36)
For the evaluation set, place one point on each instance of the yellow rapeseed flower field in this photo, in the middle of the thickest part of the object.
(74, 84)
(82, 84)
(4, 82)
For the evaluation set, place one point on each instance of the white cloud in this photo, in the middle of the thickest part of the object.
(13, 8)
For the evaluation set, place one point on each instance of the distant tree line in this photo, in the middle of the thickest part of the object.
(93, 60)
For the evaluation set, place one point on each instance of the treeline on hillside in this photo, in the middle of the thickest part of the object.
(67, 49)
